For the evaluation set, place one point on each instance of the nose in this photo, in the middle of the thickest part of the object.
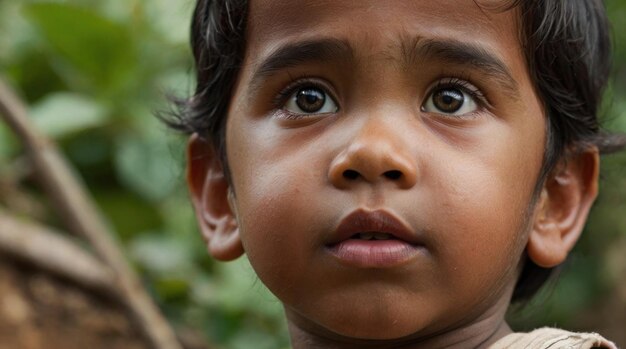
(376, 155)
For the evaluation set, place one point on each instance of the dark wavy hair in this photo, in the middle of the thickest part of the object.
(567, 49)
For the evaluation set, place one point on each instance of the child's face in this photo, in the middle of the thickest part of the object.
(418, 110)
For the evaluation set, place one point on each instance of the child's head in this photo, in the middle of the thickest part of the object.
(465, 131)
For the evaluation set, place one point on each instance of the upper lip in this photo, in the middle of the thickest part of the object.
(379, 221)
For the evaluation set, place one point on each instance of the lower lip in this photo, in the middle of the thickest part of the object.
(374, 253)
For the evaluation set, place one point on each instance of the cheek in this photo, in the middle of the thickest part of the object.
(277, 218)
(484, 201)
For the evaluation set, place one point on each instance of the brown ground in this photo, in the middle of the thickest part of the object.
(38, 310)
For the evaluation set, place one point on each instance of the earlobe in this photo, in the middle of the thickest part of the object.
(212, 203)
(563, 207)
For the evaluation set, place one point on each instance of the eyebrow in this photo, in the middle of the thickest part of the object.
(414, 52)
(460, 53)
(302, 52)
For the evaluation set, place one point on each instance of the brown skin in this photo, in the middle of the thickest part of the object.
(465, 186)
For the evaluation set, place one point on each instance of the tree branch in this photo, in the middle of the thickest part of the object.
(52, 252)
(82, 218)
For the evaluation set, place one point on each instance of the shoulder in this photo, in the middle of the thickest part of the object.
(552, 338)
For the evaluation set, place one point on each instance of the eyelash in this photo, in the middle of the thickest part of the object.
(459, 82)
(283, 95)
(463, 84)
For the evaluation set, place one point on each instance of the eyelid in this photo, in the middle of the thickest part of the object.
(281, 98)
(463, 84)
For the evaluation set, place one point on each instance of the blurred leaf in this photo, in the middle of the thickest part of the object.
(172, 288)
(145, 164)
(240, 289)
(15, 32)
(128, 213)
(619, 122)
(252, 338)
(35, 74)
(161, 254)
(8, 144)
(89, 149)
(99, 48)
(62, 113)
(173, 27)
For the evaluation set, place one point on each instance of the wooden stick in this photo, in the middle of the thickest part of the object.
(51, 251)
(82, 218)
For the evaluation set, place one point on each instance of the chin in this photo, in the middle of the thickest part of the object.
(380, 314)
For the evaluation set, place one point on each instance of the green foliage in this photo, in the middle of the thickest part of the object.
(63, 113)
(101, 51)
(94, 72)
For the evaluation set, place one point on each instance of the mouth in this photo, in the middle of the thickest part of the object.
(372, 235)
(373, 239)
(373, 226)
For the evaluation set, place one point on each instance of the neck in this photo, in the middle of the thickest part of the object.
(461, 339)
(480, 333)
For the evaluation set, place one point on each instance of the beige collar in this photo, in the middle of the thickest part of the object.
(552, 338)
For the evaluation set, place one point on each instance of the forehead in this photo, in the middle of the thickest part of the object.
(380, 26)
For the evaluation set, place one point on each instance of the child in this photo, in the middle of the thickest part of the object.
(398, 172)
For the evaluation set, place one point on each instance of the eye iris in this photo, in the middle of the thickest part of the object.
(448, 100)
(310, 100)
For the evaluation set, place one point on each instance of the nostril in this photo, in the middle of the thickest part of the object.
(350, 174)
(393, 174)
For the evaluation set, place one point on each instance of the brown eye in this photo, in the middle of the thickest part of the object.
(450, 101)
(310, 100)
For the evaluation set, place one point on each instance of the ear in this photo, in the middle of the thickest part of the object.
(212, 198)
(563, 207)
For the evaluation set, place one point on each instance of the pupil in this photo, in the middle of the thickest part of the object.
(449, 101)
(310, 100)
